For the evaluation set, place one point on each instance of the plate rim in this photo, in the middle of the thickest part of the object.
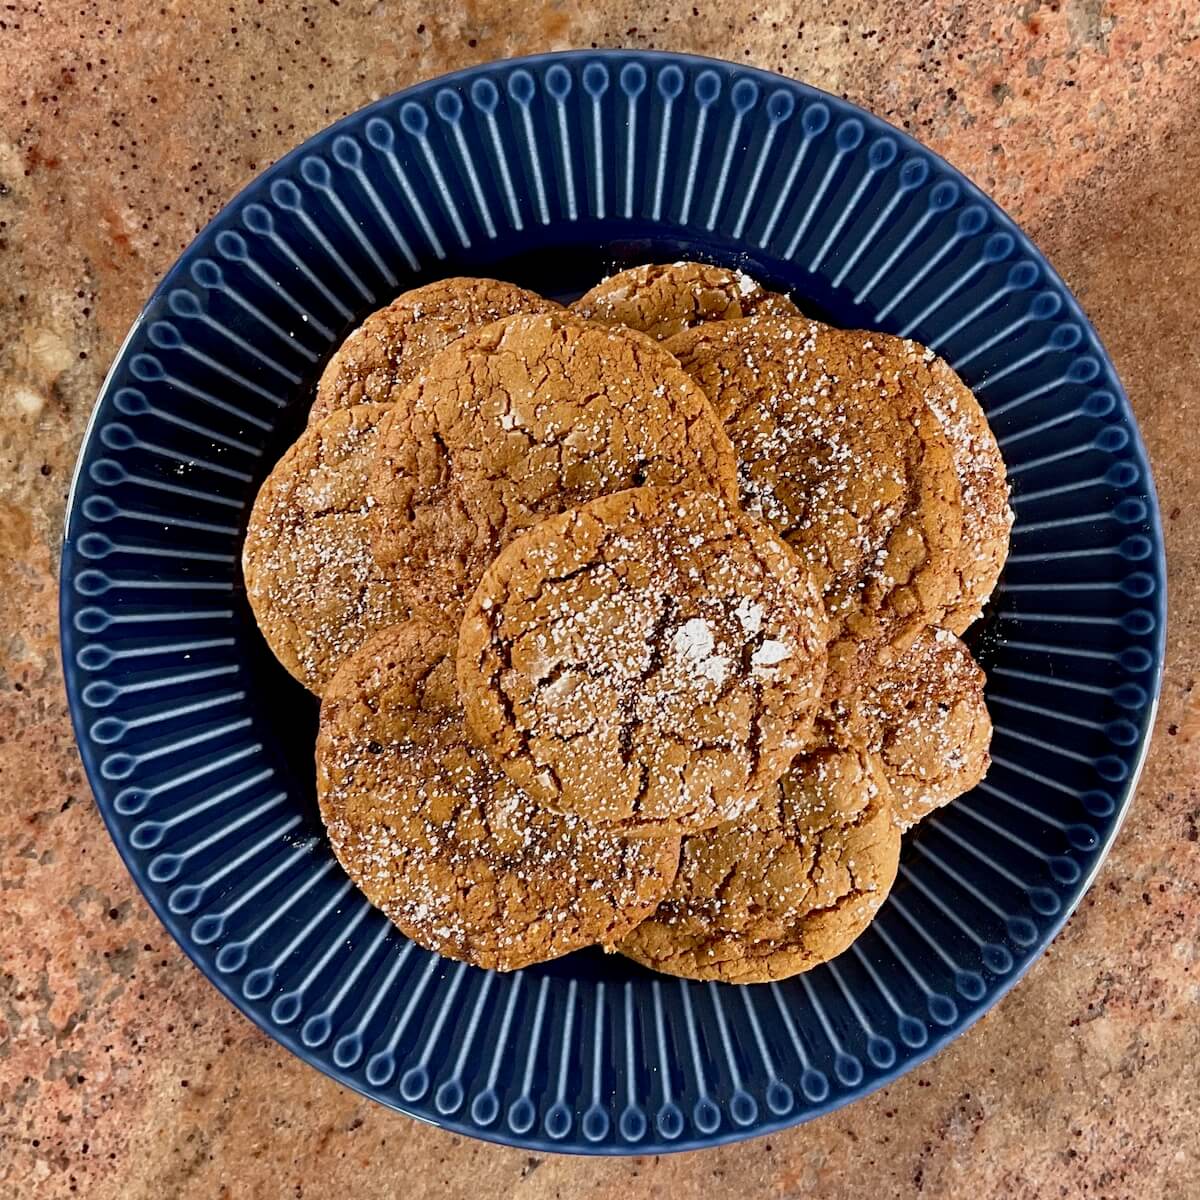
(728, 1133)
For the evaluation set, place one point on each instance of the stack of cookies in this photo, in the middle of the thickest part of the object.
(633, 623)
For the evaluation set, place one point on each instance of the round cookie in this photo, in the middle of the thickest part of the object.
(444, 843)
(392, 345)
(311, 579)
(786, 890)
(524, 419)
(926, 717)
(650, 661)
(987, 518)
(662, 300)
(840, 452)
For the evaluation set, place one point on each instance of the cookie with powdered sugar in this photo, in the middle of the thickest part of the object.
(650, 661)
(443, 842)
(521, 420)
(786, 889)
(393, 345)
(313, 584)
(840, 451)
(664, 299)
(926, 717)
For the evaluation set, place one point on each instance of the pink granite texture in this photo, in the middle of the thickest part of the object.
(123, 127)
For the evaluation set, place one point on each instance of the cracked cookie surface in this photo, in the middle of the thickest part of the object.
(524, 419)
(785, 890)
(443, 842)
(926, 717)
(650, 661)
(311, 578)
(839, 450)
(392, 345)
(664, 299)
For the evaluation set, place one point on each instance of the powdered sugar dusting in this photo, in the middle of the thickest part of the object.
(693, 641)
(770, 653)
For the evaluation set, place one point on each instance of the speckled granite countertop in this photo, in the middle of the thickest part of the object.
(123, 127)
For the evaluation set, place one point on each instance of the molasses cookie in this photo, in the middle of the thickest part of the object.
(662, 300)
(926, 717)
(311, 579)
(787, 889)
(839, 450)
(392, 345)
(524, 419)
(650, 662)
(987, 517)
(443, 842)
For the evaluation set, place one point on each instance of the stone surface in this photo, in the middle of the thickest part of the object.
(123, 127)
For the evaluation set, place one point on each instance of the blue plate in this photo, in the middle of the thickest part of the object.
(549, 171)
